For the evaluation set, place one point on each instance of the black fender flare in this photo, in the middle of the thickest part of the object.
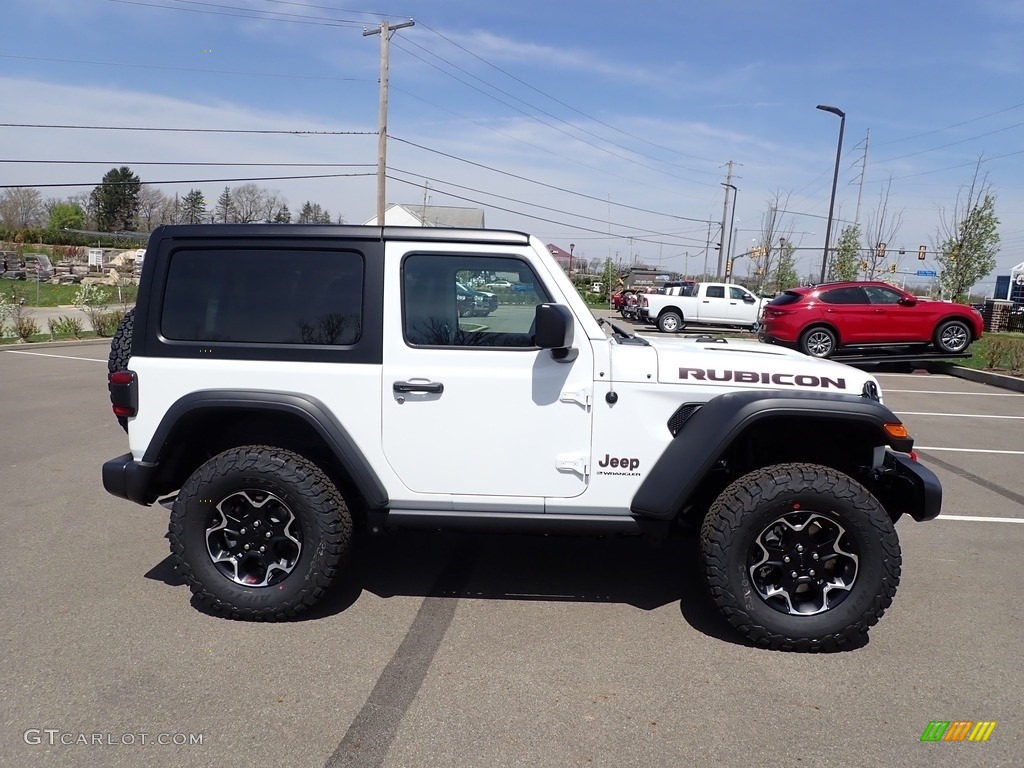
(309, 409)
(710, 431)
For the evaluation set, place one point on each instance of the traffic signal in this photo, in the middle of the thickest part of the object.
(881, 250)
(892, 268)
(921, 252)
(728, 267)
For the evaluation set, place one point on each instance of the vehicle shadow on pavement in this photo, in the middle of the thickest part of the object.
(613, 569)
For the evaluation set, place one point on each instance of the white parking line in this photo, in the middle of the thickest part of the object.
(944, 392)
(966, 450)
(955, 415)
(971, 518)
(62, 357)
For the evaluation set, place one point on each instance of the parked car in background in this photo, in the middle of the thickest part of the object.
(37, 265)
(822, 319)
(474, 303)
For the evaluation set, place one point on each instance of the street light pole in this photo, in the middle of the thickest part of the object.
(572, 247)
(835, 178)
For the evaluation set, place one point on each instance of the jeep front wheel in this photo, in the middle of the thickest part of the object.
(670, 322)
(259, 533)
(800, 557)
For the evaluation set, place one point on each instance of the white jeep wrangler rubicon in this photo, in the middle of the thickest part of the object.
(279, 382)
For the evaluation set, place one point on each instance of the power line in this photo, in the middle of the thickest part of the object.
(539, 148)
(190, 164)
(187, 181)
(564, 104)
(544, 112)
(183, 69)
(543, 184)
(313, 20)
(951, 144)
(524, 202)
(185, 130)
(948, 127)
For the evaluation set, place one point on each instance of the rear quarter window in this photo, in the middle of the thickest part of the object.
(785, 298)
(261, 296)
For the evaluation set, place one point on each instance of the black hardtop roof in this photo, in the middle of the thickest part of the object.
(337, 231)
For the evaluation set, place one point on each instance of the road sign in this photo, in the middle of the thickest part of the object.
(926, 273)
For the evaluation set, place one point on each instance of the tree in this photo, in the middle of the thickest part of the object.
(785, 268)
(769, 250)
(881, 228)
(312, 213)
(155, 208)
(968, 240)
(65, 215)
(193, 207)
(225, 210)
(116, 200)
(846, 256)
(283, 216)
(21, 208)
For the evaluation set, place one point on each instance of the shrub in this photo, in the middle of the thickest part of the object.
(105, 323)
(995, 350)
(24, 326)
(1015, 355)
(66, 326)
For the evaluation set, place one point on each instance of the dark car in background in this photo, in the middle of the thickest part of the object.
(821, 319)
(474, 303)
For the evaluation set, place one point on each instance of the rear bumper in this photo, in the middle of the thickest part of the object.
(129, 479)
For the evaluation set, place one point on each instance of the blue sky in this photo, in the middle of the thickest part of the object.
(603, 124)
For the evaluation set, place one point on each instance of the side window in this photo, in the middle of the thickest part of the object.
(469, 301)
(879, 295)
(849, 295)
(264, 297)
(715, 292)
(737, 294)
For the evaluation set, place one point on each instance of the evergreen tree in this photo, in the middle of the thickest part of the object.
(225, 207)
(193, 207)
(116, 200)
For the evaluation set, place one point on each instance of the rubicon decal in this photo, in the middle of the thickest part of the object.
(762, 377)
(611, 465)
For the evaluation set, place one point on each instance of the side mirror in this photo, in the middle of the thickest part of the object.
(748, 298)
(907, 302)
(553, 324)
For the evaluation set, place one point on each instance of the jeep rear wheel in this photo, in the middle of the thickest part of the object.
(800, 557)
(670, 322)
(259, 533)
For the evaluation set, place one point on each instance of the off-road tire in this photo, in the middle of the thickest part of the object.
(745, 511)
(819, 341)
(321, 513)
(121, 351)
(670, 322)
(952, 336)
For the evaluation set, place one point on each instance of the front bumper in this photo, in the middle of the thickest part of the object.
(129, 479)
(909, 487)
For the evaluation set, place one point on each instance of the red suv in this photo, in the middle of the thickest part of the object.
(819, 320)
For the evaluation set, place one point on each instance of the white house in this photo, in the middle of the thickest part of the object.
(406, 215)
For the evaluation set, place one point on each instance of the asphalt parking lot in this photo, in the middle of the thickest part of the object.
(471, 650)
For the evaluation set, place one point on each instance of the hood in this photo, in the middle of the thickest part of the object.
(701, 362)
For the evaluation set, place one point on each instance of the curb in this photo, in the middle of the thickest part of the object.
(50, 344)
(971, 374)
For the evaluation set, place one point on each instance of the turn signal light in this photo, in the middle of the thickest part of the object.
(897, 430)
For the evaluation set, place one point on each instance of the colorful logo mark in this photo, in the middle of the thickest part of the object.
(958, 730)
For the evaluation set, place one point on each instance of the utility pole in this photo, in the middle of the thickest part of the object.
(863, 171)
(725, 215)
(385, 31)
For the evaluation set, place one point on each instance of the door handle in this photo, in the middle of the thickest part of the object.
(432, 387)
